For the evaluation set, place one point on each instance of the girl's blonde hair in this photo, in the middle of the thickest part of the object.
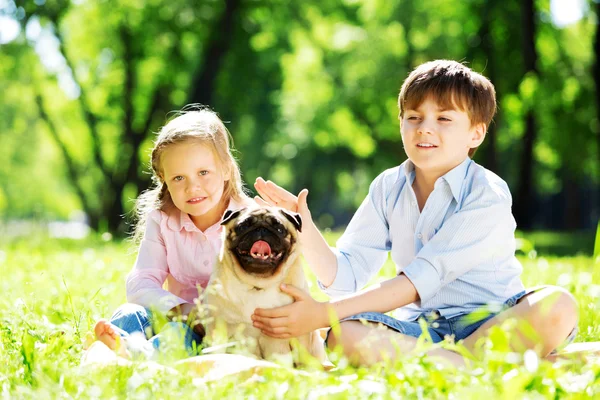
(196, 124)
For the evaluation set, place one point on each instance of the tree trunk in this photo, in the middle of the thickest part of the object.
(523, 206)
(219, 43)
(572, 215)
(596, 75)
(487, 51)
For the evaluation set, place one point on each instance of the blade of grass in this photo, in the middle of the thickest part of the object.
(597, 243)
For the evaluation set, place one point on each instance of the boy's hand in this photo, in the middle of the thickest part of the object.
(274, 195)
(302, 316)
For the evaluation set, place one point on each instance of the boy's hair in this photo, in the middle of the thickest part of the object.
(452, 85)
(201, 125)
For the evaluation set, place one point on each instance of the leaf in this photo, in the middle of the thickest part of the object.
(28, 353)
(597, 243)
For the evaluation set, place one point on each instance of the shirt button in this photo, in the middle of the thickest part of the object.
(419, 236)
(203, 238)
(206, 262)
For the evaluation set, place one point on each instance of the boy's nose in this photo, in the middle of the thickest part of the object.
(425, 127)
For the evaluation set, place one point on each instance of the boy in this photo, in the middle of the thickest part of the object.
(448, 224)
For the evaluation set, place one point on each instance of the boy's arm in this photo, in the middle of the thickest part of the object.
(306, 314)
(315, 249)
(360, 252)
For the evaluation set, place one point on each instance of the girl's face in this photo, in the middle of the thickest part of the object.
(195, 181)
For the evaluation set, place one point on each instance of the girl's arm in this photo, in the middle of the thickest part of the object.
(145, 281)
(307, 314)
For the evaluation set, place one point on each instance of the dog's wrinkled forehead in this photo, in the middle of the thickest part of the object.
(247, 217)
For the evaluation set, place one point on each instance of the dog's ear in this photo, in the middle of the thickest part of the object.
(294, 218)
(230, 215)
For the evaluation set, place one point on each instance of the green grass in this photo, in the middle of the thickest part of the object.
(561, 243)
(54, 290)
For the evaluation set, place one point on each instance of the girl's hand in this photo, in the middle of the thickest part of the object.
(187, 313)
(274, 195)
(304, 315)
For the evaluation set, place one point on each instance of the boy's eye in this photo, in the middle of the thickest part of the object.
(178, 178)
(203, 172)
(444, 119)
(413, 118)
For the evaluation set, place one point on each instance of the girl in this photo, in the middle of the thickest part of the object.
(196, 179)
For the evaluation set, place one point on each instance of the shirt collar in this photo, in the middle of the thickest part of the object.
(454, 177)
(178, 220)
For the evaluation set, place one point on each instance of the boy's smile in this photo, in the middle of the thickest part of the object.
(436, 140)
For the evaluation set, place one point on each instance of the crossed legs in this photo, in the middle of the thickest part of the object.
(551, 313)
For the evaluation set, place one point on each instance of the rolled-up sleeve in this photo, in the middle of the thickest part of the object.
(480, 232)
(145, 281)
(364, 246)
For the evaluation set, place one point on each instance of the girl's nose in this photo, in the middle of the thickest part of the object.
(192, 184)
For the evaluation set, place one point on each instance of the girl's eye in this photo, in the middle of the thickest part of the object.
(178, 178)
(444, 119)
(204, 172)
(412, 118)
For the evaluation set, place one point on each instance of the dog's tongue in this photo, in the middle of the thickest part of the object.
(261, 248)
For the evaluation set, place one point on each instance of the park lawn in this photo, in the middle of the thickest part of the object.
(53, 291)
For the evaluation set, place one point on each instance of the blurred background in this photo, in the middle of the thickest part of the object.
(309, 91)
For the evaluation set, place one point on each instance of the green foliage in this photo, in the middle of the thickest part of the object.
(309, 89)
(597, 243)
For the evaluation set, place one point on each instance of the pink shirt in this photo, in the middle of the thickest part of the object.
(176, 251)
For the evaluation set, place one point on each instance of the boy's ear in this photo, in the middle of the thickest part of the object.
(479, 132)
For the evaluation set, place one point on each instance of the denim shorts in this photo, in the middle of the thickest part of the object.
(458, 327)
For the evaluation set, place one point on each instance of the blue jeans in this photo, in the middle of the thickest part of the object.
(134, 323)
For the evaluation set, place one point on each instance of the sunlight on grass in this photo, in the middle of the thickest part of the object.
(54, 290)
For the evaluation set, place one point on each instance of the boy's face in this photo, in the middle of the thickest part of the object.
(437, 140)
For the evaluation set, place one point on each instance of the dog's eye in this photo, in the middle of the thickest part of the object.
(245, 225)
(280, 229)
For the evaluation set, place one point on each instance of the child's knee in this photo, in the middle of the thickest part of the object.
(559, 307)
(343, 334)
(565, 307)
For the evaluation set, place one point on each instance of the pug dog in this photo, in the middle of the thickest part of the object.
(260, 251)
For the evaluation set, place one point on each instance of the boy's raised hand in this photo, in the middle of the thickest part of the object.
(274, 195)
(304, 315)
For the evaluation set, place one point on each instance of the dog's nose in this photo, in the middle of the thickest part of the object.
(264, 232)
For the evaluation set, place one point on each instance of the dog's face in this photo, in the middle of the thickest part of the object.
(261, 240)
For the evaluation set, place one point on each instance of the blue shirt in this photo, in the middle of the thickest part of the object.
(459, 252)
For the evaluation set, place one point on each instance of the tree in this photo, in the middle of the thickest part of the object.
(525, 190)
(119, 126)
